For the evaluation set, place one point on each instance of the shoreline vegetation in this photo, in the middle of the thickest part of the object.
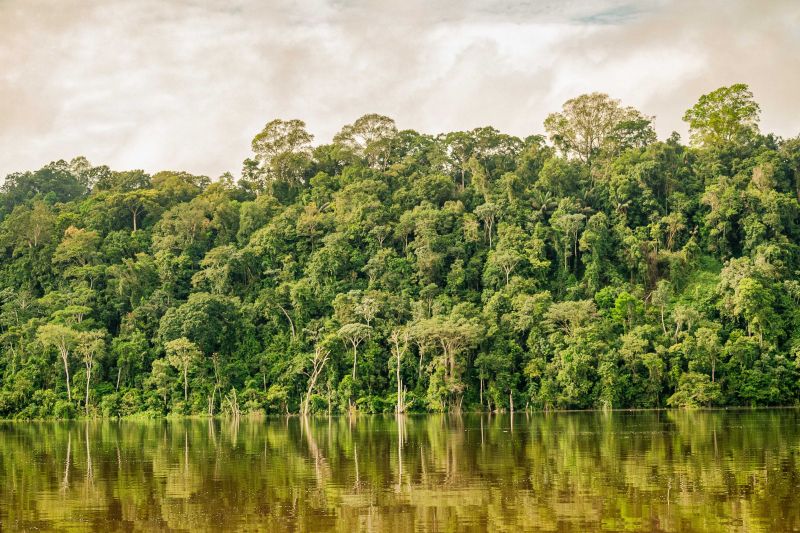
(594, 267)
(261, 416)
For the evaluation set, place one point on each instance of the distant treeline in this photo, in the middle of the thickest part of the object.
(390, 270)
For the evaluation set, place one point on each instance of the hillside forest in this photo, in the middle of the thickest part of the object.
(591, 266)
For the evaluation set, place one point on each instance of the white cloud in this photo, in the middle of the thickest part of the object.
(185, 84)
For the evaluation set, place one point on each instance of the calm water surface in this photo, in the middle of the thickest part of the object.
(643, 471)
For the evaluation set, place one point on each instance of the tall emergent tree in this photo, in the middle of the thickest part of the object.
(725, 115)
(591, 122)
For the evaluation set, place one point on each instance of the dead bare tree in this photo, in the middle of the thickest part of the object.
(317, 365)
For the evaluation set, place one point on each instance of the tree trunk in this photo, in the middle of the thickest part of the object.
(65, 357)
(399, 388)
(452, 358)
(88, 380)
(185, 383)
(119, 373)
(797, 182)
(355, 355)
(320, 358)
(575, 252)
(291, 322)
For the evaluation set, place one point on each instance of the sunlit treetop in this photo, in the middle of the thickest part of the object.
(728, 114)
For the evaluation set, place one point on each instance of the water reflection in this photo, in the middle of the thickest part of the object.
(646, 471)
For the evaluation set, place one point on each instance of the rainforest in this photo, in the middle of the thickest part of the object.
(592, 266)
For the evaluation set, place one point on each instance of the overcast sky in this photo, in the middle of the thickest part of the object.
(185, 84)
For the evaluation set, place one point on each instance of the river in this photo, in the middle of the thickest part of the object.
(733, 470)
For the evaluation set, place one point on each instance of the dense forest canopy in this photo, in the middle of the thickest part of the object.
(393, 270)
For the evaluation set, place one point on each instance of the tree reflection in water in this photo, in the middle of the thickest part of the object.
(640, 471)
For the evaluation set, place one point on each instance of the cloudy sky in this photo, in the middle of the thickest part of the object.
(185, 84)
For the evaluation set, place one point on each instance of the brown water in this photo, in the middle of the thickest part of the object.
(643, 471)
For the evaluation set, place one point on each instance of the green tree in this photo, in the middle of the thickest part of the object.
(63, 339)
(90, 345)
(695, 390)
(724, 115)
(587, 123)
(182, 354)
(29, 227)
(282, 151)
(354, 334)
(370, 137)
(129, 351)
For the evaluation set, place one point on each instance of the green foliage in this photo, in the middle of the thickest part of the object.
(593, 122)
(725, 115)
(627, 272)
(695, 390)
